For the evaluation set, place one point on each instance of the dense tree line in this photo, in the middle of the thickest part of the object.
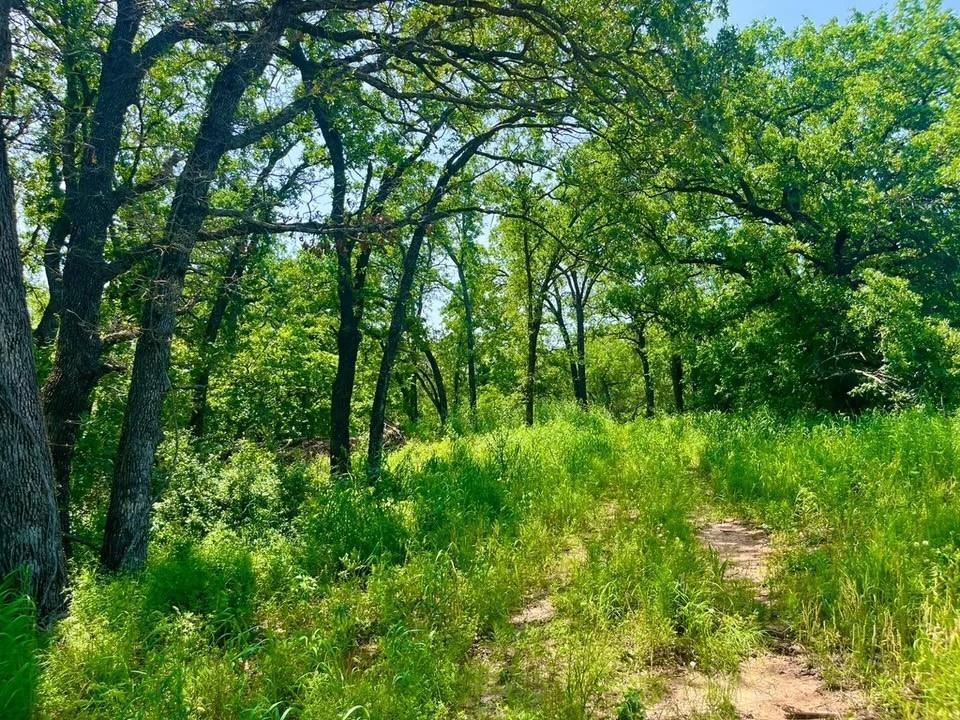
(299, 222)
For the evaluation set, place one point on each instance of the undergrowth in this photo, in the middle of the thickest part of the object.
(273, 593)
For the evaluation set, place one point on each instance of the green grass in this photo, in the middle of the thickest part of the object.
(18, 655)
(397, 603)
(869, 512)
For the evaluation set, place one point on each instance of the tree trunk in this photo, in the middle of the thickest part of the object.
(556, 307)
(530, 381)
(90, 206)
(457, 386)
(411, 398)
(226, 292)
(46, 330)
(128, 517)
(581, 356)
(645, 365)
(341, 399)
(534, 312)
(467, 299)
(77, 368)
(676, 375)
(378, 414)
(30, 538)
(440, 388)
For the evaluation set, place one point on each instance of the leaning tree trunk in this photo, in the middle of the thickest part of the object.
(440, 388)
(30, 539)
(378, 414)
(128, 517)
(676, 376)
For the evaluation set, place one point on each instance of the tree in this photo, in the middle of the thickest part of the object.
(30, 539)
(128, 517)
(818, 157)
(99, 178)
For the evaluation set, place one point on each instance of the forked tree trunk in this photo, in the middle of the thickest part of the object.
(30, 538)
(90, 206)
(439, 396)
(128, 517)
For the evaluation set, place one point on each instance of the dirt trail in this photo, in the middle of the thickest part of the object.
(777, 685)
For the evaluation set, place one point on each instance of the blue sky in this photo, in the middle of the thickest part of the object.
(789, 14)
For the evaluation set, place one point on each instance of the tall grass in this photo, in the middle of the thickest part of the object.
(869, 511)
(272, 593)
(18, 654)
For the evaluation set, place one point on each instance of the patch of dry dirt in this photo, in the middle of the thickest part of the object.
(745, 550)
(534, 613)
(777, 685)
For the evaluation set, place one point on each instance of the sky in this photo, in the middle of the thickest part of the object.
(790, 14)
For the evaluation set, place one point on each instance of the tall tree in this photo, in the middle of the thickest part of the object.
(128, 517)
(94, 191)
(30, 538)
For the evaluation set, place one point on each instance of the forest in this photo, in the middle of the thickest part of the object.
(517, 359)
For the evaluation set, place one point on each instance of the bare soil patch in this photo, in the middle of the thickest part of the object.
(777, 685)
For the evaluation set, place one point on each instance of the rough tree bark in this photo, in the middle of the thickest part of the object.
(77, 366)
(128, 517)
(90, 205)
(30, 538)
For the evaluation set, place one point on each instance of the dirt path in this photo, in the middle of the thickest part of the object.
(779, 684)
